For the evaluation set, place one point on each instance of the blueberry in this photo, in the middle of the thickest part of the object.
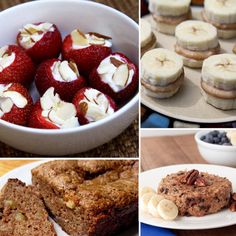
(216, 140)
(203, 138)
(214, 133)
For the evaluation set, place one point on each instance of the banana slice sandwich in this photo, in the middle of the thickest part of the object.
(196, 41)
(221, 14)
(162, 73)
(167, 14)
(219, 81)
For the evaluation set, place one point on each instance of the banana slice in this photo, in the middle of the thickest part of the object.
(161, 66)
(146, 190)
(196, 35)
(144, 201)
(153, 203)
(221, 11)
(169, 7)
(167, 209)
(232, 137)
(220, 71)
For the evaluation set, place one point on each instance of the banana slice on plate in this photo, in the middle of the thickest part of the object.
(144, 201)
(167, 209)
(153, 203)
(146, 190)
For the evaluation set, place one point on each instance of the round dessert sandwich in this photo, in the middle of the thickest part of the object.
(41, 41)
(15, 103)
(219, 81)
(62, 75)
(115, 76)
(196, 41)
(162, 73)
(86, 50)
(50, 112)
(196, 193)
(221, 14)
(15, 65)
(167, 14)
(148, 39)
(92, 105)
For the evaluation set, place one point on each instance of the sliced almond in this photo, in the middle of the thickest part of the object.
(18, 99)
(49, 99)
(73, 66)
(121, 75)
(6, 104)
(66, 72)
(94, 40)
(79, 38)
(3, 50)
(83, 107)
(99, 35)
(116, 62)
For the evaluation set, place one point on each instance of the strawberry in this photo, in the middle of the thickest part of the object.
(115, 76)
(86, 50)
(50, 112)
(15, 66)
(63, 76)
(15, 103)
(92, 105)
(41, 41)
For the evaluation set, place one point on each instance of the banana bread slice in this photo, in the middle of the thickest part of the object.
(87, 205)
(22, 212)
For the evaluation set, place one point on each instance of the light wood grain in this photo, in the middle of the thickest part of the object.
(162, 151)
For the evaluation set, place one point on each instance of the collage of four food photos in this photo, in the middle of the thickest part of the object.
(117, 117)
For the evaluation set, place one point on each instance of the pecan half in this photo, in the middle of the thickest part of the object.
(232, 206)
(200, 182)
(190, 177)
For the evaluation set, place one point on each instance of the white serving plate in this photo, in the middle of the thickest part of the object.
(188, 104)
(23, 173)
(223, 218)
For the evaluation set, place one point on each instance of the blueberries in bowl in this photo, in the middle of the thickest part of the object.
(216, 137)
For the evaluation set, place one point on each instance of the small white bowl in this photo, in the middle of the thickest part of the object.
(216, 154)
(68, 15)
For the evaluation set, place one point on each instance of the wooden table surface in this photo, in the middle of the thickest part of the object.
(169, 150)
(8, 165)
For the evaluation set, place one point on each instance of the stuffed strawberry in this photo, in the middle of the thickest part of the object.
(62, 75)
(15, 103)
(86, 50)
(92, 105)
(41, 41)
(15, 66)
(50, 112)
(115, 76)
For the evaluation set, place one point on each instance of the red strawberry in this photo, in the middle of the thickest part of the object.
(50, 112)
(92, 105)
(15, 66)
(116, 76)
(15, 103)
(63, 76)
(41, 41)
(86, 50)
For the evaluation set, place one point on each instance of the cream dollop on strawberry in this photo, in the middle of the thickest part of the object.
(6, 59)
(9, 98)
(32, 33)
(81, 40)
(114, 71)
(60, 113)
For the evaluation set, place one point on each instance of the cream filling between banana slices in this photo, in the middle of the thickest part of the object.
(6, 59)
(10, 98)
(31, 34)
(64, 71)
(115, 72)
(60, 113)
(95, 105)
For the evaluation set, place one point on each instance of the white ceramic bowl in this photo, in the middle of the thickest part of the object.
(68, 15)
(216, 154)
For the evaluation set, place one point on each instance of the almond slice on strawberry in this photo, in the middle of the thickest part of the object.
(50, 112)
(62, 75)
(116, 76)
(15, 66)
(93, 105)
(86, 50)
(41, 41)
(15, 103)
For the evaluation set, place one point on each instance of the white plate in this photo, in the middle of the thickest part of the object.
(223, 218)
(188, 104)
(23, 173)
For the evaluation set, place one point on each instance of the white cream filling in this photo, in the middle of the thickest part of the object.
(31, 33)
(106, 71)
(9, 98)
(60, 113)
(6, 59)
(97, 105)
(62, 71)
